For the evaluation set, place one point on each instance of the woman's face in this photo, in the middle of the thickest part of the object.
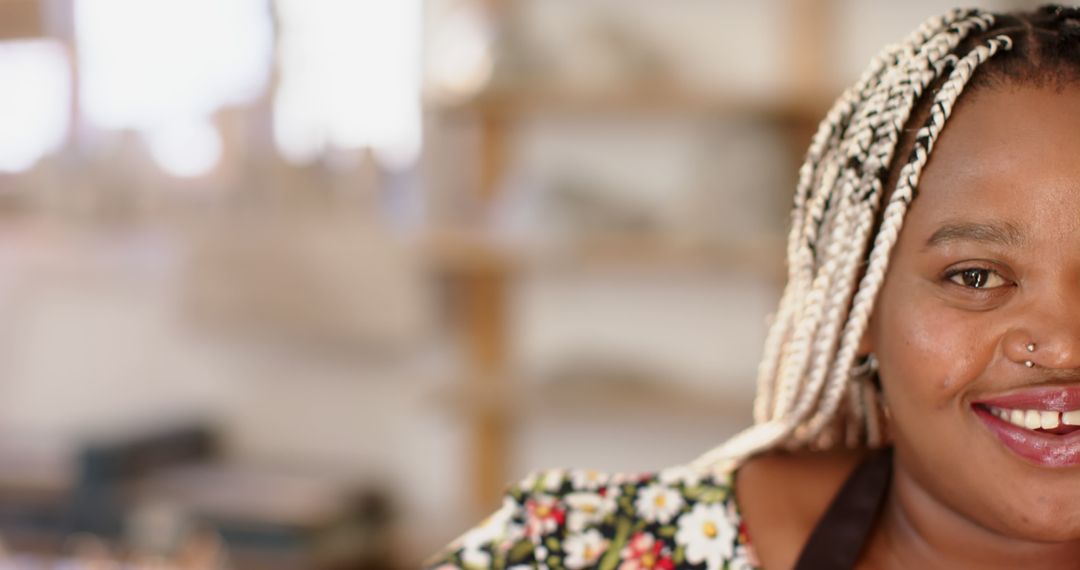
(988, 261)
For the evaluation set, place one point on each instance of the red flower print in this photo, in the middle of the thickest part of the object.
(544, 515)
(644, 552)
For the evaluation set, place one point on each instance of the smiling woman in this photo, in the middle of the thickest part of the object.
(920, 389)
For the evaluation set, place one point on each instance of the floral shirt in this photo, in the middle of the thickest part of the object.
(677, 518)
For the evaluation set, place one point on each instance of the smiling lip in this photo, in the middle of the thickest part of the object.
(1049, 398)
(1042, 448)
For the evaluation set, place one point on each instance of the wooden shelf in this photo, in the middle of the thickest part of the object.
(799, 109)
(463, 251)
(487, 267)
(21, 19)
(520, 399)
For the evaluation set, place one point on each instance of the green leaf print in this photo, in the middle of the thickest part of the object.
(611, 557)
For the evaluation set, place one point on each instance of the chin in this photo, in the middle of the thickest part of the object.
(997, 490)
(1044, 517)
(1047, 531)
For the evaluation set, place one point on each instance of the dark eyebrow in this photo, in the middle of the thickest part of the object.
(1003, 233)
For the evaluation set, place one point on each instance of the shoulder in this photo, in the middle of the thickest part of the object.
(576, 519)
(783, 495)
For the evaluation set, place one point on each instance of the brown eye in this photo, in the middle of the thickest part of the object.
(977, 278)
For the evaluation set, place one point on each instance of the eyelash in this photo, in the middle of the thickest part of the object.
(951, 275)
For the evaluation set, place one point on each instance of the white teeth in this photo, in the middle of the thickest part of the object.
(1036, 419)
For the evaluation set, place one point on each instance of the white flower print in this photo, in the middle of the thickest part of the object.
(680, 474)
(473, 557)
(611, 493)
(584, 549)
(553, 479)
(587, 479)
(742, 560)
(585, 509)
(529, 482)
(624, 478)
(658, 503)
(707, 534)
(514, 532)
(580, 514)
(732, 510)
(496, 527)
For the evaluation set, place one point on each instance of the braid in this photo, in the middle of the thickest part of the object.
(806, 372)
(794, 375)
(819, 172)
(890, 228)
(898, 107)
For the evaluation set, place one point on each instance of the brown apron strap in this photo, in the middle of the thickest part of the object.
(840, 535)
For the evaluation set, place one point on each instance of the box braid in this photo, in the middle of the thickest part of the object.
(813, 391)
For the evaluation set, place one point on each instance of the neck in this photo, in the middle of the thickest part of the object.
(916, 530)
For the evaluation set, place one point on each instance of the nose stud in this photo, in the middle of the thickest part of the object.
(1030, 348)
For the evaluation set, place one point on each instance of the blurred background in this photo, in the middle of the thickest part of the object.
(304, 283)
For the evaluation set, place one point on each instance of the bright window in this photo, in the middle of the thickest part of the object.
(350, 78)
(163, 67)
(35, 101)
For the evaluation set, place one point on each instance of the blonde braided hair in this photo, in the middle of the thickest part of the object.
(812, 391)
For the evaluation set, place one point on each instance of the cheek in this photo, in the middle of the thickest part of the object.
(930, 353)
